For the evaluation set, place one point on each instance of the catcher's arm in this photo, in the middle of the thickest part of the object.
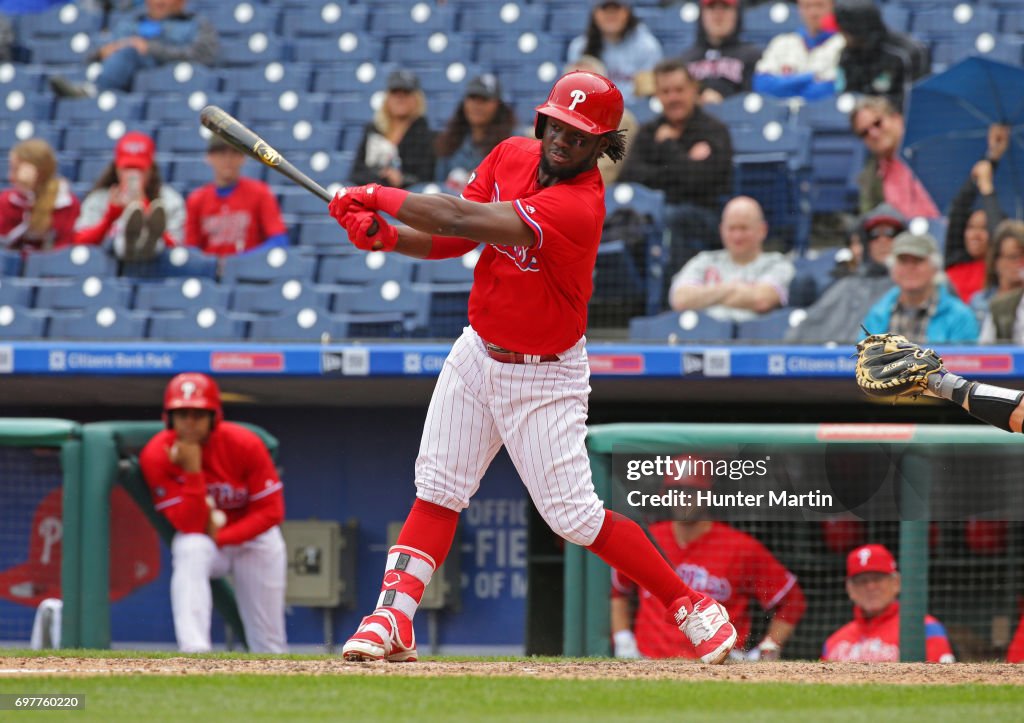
(889, 365)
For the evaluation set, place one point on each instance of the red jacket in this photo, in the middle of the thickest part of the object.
(15, 209)
(877, 639)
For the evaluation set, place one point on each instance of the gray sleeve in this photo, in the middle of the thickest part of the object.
(692, 273)
(202, 50)
(779, 274)
(94, 207)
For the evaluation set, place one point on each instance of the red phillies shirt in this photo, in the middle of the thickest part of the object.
(534, 300)
(723, 563)
(877, 639)
(237, 471)
(16, 211)
(237, 222)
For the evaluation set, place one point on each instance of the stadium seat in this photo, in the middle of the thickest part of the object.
(61, 21)
(64, 50)
(189, 173)
(348, 46)
(18, 105)
(964, 20)
(95, 140)
(280, 297)
(448, 283)
(14, 76)
(764, 22)
(896, 17)
(175, 78)
(271, 79)
(749, 110)
(321, 19)
(181, 140)
(813, 274)
(427, 51)
(71, 261)
(82, 295)
(181, 295)
(628, 267)
(1006, 48)
(500, 18)
(235, 19)
(675, 26)
(674, 326)
(19, 322)
(531, 82)
(206, 323)
(387, 308)
(323, 235)
(771, 326)
(173, 263)
(256, 48)
(415, 20)
(267, 266)
(325, 167)
(107, 324)
(442, 272)
(301, 325)
(185, 111)
(105, 107)
(10, 263)
(517, 50)
(361, 269)
(303, 203)
(288, 107)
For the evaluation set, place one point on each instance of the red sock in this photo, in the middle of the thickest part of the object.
(430, 528)
(624, 546)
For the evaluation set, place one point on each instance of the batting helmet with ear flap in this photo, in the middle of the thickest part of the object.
(584, 100)
(192, 391)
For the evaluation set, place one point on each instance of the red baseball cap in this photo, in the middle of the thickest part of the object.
(134, 150)
(134, 552)
(870, 558)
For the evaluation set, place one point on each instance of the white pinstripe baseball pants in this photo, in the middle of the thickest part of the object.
(538, 411)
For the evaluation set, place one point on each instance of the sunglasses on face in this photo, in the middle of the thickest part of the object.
(882, 232)
(610, 6)
(863, 132)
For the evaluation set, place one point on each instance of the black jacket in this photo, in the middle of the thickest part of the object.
(727, 68)
(880, 62)
(416, 151)
(666, 166)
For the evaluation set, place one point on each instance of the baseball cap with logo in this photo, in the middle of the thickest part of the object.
(134, 150)
(484, 86)
(870, 558)
(922, 246)
(403, 80)
(134, 552)
(884, 215)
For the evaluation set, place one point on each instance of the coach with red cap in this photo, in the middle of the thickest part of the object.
(216, 484)
(873, 584)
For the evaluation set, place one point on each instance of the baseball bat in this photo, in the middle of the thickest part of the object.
(243, 138)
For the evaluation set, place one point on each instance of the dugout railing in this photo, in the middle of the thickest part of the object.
(935, 475)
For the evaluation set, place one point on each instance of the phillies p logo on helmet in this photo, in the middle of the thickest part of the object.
(578, 96)
(586, 101)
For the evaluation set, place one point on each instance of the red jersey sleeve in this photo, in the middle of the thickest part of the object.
(564, 221)
(622, 586)
(269, 214)
(765, 579)
(936, 642)
(265, 507)
(177, 495)
(193, 219)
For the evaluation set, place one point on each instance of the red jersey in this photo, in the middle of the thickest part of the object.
(723, 563)
(15, 210)
(534, 299)
(967, 278)
(877, 639)
(237, 471)
(236, 222)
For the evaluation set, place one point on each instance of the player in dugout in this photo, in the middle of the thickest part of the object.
(718, 560)
(216, 484)
(519, 374)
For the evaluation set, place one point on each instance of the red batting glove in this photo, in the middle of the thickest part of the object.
(357, 224)
(372, 196)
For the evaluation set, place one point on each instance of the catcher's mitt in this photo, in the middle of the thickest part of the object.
(890, 365)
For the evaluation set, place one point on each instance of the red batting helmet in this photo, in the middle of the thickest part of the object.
(586, 101)
(192, 391)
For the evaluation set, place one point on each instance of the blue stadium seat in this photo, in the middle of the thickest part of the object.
(63, 50)
(185, 111)
(356, 78)
(674, 326)
(19, 322)
(279, 297)
(256, 48)
(82, 295)
(14, 76)
(288, 107)
(107, 324)
(348, 46)
(323, 235)
(173, 263)
(90, 169)
(303, 136)
(181, 295)
(18, 105)
(234, 19)
(272, 79)
(813, 274)
(181, 140)
(619, 270)
(896, 17)
(962, 21)
(518, 49)
(353, 111)
(362, 269)
(444, 272)
(302, 203)
(501, 18)
(267, 266)
(675, 27)
(771, 326)
(531, 82)
(104, 108)
(10, 263)
(749, 110)
(61, 21)
(15, 292)
(95, 140)
(764, 22)
(831, 114)
(427, 51)
(175, 78)
(1005, 48)
(72, 261)
(301, 325)
(324, 167)
(373, 303)
(319, 19)
(415, 20)
(207, 323)
(190, 173)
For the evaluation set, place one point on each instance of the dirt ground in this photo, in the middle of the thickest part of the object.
(789, 672)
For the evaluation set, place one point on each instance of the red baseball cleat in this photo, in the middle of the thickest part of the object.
(384, 635)
(706, 625)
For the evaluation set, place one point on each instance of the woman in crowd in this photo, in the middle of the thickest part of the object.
(397, 147)
(38, 211)
(1004, 321)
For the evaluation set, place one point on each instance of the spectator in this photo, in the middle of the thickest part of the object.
(876, 60)
(741, 280)
(717, 560)
(1004, 320)
(920, 308)
(480, 122)
(885, 178)
(6, 39)
(617, 38)
(873, 636)
(837, 315)
(163, 33)
(970, 228)
(233, 214)
(215, 483)
(129, 207)
(721, 62)
(803, 63)
(609, 169)
(38, 211)
(397, 147)
(686, 153)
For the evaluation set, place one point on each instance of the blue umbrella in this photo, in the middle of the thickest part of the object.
(947, 128)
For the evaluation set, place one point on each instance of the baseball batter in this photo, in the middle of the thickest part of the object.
(518, 375)
(216, 484)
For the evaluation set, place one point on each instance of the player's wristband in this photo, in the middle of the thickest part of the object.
(389, 200)
(991, 404)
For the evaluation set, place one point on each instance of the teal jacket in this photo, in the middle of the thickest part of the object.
(953, 321)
